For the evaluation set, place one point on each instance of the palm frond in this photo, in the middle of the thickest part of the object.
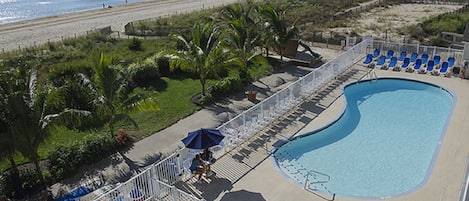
(68, 116)
(138, 103)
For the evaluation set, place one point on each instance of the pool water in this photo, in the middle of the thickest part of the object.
(382, 146)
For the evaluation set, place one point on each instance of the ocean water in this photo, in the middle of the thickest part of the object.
(20, 10)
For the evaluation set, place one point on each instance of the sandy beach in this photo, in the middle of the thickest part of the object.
(387, 22)
(55, 28)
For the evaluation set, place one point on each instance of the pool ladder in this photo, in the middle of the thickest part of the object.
(372, 75)
(308, 186)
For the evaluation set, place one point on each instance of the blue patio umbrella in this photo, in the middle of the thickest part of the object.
(203, 138)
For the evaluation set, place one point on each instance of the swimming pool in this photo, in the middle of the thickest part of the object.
(383, 145)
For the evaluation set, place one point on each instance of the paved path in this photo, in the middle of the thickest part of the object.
(148, 150)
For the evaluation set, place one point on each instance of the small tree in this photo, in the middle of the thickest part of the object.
(276, 23)
(242, 43)
(112, 97)
(201, 52)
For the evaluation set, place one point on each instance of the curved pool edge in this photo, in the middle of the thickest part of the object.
(339, 114)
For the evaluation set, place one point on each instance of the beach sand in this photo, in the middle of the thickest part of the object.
(55, 28)
(388, 22)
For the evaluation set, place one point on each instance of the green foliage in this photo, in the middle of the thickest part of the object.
(181, 23)
(143, 73)
(31, 179)
(6, 186)
(225, 87)
(135, 44)
(65, 161)
(438, 41)
(453, 22)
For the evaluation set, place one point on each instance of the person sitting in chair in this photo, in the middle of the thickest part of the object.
(197, 167)
(207, 157)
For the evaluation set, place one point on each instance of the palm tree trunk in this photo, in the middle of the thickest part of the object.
(14, 167)
(202, 83)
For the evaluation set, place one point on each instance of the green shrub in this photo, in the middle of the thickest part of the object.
(225, 87)
(6, 187)
(31, 179)
(65, 161)
(163, 66)
(135, 44)
(438, 41)
(142, 74)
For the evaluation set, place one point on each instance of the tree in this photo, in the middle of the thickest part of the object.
(112, 97)
(25, 112)
(242, 43)
(201, 52)
(277, 24)
(7, 150)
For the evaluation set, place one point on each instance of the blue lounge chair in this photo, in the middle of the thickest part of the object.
(381, 61)
(437, 59)
(430, 66)
(424, 58)
(392, 63)
(443, 70)
(402, 56)
(417, 65)
(368, 59)
(413, 57)
(390, 54)
(376, 53)
(451, 61)
(404, 65)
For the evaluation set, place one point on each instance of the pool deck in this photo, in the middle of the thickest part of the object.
(247, 173)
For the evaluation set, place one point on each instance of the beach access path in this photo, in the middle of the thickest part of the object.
(55, 28)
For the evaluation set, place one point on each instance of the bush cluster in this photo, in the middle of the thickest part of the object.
(143, 73)
(135, 44)
(222, 88)
(65, 161)
(32, 181)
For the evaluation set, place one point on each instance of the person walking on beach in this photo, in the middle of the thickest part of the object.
(104, 6)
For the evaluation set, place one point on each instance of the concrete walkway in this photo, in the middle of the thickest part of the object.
(248, 172)
(149, 150)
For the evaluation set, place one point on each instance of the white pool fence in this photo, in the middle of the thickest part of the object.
(158, 181)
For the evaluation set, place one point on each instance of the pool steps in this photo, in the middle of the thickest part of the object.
(312, 180)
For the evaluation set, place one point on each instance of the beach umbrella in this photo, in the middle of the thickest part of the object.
(203, 138)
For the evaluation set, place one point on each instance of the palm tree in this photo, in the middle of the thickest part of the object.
(239, 11)
(25, 112)
(276, 23)
(113, 99)
(201, 52)
(242, 43)
(7, 150)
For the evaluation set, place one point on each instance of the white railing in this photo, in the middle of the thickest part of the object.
(154, 183)
(158, 181)
(248, 123)
(419, 49)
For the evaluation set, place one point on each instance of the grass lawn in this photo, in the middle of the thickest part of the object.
(174, 97)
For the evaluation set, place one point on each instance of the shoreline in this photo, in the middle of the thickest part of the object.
(39, 31)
